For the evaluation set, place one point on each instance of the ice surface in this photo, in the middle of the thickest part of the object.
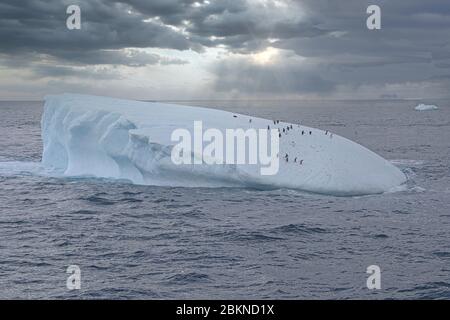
(121, 139)
(425, 107)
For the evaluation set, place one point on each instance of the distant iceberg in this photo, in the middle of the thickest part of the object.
(121, 139)
(425, 107)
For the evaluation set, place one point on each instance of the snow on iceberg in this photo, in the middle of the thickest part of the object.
(425, 107)
(121, 139)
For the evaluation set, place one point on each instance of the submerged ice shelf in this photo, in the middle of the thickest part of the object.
(122, 139)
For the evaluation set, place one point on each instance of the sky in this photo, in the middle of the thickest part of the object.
(225, 49)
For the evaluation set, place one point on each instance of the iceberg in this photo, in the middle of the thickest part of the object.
(131, 140)
(425, 107)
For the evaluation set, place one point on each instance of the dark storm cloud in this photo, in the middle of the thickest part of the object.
(174, 12)
(40, 27)
(34, 31)
(412, 46)
(410, 31)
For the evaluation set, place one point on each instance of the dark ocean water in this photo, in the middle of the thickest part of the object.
(156, 242)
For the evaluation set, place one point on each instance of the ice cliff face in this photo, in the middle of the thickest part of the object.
(121, 139)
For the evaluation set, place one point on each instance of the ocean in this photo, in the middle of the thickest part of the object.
(148, 242)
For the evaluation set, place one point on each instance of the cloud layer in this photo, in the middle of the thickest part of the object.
(278, 48)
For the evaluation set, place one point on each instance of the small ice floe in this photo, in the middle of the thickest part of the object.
(425, 107)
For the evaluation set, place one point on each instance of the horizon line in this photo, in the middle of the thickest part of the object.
(325, 99)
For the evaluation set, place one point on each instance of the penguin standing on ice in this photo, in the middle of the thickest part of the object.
(303, 132)
(268, 127)
(310, 133)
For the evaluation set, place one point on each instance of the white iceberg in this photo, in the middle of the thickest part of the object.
(121, 139)
(425, 107)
